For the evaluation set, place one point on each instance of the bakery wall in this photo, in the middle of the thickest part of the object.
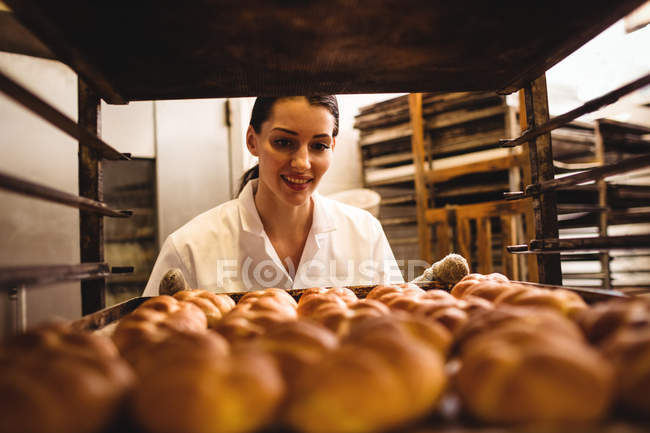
(190, 140)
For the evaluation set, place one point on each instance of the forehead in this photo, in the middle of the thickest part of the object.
(298, 115)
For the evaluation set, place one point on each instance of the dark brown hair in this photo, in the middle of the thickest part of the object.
(262, 111)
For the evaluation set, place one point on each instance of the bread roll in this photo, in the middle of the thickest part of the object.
(307, 304)
(153, 321)
(629, 351)
(521, 365)
(605, 319)
(340, 319)
(297, 346)
(347, 295)
(272, 294)
(54, 379)
(256, 313)
(383, 375)
(213, 305)
(199, 390)
(563, 301)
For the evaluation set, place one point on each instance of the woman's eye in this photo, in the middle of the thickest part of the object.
(282, 143)
(321, 146)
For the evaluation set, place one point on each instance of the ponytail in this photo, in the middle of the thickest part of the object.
(250, 174)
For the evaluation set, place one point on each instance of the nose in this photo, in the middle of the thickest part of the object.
(300, 159)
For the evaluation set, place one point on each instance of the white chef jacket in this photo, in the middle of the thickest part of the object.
(227, 250)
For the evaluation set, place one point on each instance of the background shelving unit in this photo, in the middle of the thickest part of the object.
(205, 50)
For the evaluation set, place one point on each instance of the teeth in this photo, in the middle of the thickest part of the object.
(294, 180)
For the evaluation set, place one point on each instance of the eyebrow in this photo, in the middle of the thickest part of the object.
(288, 131)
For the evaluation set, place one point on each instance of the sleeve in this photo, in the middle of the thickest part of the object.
(167, 258)
(387, 266)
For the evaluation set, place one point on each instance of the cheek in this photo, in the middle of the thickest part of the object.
(322, 163)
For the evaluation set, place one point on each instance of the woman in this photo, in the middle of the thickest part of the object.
(280, 232)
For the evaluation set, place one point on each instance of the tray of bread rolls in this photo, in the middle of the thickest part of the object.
(485, 354)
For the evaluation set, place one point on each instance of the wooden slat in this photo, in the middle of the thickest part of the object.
(388, 159)
(421, 193)
(56, 118)
(484, 244)
(509, 262)
(503, 163)
(541, 168)
(398, 221)
(31, 189)
(444, 120)
(388, 201)
(464, 238)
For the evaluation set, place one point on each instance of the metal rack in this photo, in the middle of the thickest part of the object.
(543, 186)
(222, 52)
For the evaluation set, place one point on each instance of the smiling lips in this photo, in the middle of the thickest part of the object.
(296, 183)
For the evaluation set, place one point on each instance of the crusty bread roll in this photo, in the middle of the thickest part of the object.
(347, 295)
(307, 304)
(383, 375)
(153, 321)
(339, 319)
(256, 313)
(470, 280)
(296, 346)
(272, 294)
(385, 293)
(563, 301)
(447, 313)
(531, 365)
(605, 319)
(629, 351)
(54, 379)
(213, 305)
(193, 387)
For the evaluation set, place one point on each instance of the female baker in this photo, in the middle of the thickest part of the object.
(279, 232)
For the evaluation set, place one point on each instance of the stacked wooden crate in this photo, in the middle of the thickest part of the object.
(460, 128)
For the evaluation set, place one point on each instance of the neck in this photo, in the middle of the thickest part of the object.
(282, 219)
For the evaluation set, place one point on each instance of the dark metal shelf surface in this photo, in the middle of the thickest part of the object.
(46, 193)
(56, 118)
(259, 48)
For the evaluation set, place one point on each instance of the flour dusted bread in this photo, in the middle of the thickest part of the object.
(54, 379)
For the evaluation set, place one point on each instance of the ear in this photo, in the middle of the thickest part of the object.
(333, 143)
(251, 141)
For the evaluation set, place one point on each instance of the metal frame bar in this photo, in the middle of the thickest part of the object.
(56, 118)
(31, 189)
(555, 245)
(590, 106)
(18, 276)
(593, 174)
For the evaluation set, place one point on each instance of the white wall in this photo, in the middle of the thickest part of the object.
(32, 231)
(192, 164)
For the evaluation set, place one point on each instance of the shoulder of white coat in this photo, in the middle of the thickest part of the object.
(214, 220)
(350, 217)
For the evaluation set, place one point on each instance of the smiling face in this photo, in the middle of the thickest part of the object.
(294, 146)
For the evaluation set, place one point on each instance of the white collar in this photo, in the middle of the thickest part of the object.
(323, 221)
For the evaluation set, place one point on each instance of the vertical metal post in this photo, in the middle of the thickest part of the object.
(422, 195)
(541, 169)
(604, 256)
(91, 227)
